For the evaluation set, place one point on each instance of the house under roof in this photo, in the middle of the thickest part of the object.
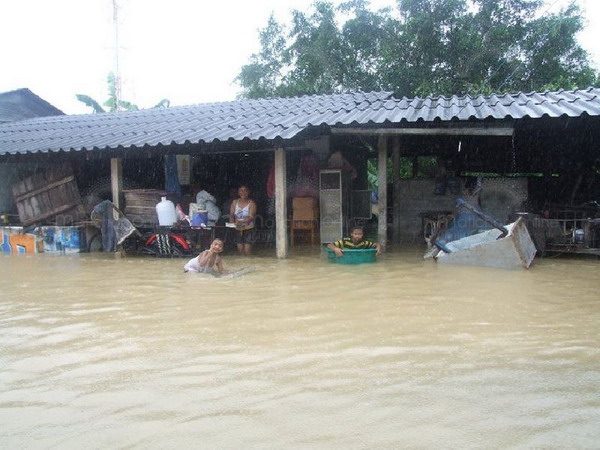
(282, 119)
(537, 133)
(23, 104)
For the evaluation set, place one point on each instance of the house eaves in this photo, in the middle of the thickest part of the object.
(278, 118)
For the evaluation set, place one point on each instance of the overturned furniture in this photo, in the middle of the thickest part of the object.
(113, 224)
(489, 249)
(50, 197)
(504, 246)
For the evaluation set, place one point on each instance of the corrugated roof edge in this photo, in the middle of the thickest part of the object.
(277, 118)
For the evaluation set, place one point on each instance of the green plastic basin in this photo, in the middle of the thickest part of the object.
(361, 256)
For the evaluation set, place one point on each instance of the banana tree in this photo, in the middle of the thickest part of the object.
(112, 104)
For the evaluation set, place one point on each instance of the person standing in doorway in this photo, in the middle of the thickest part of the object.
(243, 211)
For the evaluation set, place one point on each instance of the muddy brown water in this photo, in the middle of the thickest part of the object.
(99, 351)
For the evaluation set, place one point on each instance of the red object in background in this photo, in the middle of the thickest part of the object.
(176, 237)
(271, 183)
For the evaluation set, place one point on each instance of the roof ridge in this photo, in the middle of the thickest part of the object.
(15, 90)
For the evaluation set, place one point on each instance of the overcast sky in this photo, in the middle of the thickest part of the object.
(188, 51)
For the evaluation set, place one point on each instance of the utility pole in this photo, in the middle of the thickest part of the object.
(117, 70)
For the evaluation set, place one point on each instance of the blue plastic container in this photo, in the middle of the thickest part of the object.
(360, 256)
(199, 219)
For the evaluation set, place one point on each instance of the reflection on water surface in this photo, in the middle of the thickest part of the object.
(132, 352)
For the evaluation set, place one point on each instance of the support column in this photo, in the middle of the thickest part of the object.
(382, 181)
(116, 180)
(281, 238)
(396, 175)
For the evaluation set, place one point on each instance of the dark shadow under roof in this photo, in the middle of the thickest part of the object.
(276, 118)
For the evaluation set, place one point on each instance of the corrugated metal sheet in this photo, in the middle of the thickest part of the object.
(277, 118)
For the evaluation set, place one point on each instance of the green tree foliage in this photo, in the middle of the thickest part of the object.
(111, 102)
(419, 47)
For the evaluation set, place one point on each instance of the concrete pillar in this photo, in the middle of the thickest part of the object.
(382, 181)
(281, 238)
(116, 180)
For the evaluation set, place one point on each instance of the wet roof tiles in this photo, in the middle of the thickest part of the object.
(277, 118)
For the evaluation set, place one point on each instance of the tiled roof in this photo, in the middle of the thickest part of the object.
(23, 104)
(277, 118)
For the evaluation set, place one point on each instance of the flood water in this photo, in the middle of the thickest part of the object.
(101, 351)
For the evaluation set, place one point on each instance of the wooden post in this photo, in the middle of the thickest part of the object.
(116, 180)
(281, 242)
(382, 181)
(396, 175)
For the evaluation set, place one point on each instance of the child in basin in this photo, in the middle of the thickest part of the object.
(354, 242)
(209, 261)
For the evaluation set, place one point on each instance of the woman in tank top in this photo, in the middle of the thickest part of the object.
(243, 211)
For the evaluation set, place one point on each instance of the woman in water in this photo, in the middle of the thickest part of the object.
(243, 211)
